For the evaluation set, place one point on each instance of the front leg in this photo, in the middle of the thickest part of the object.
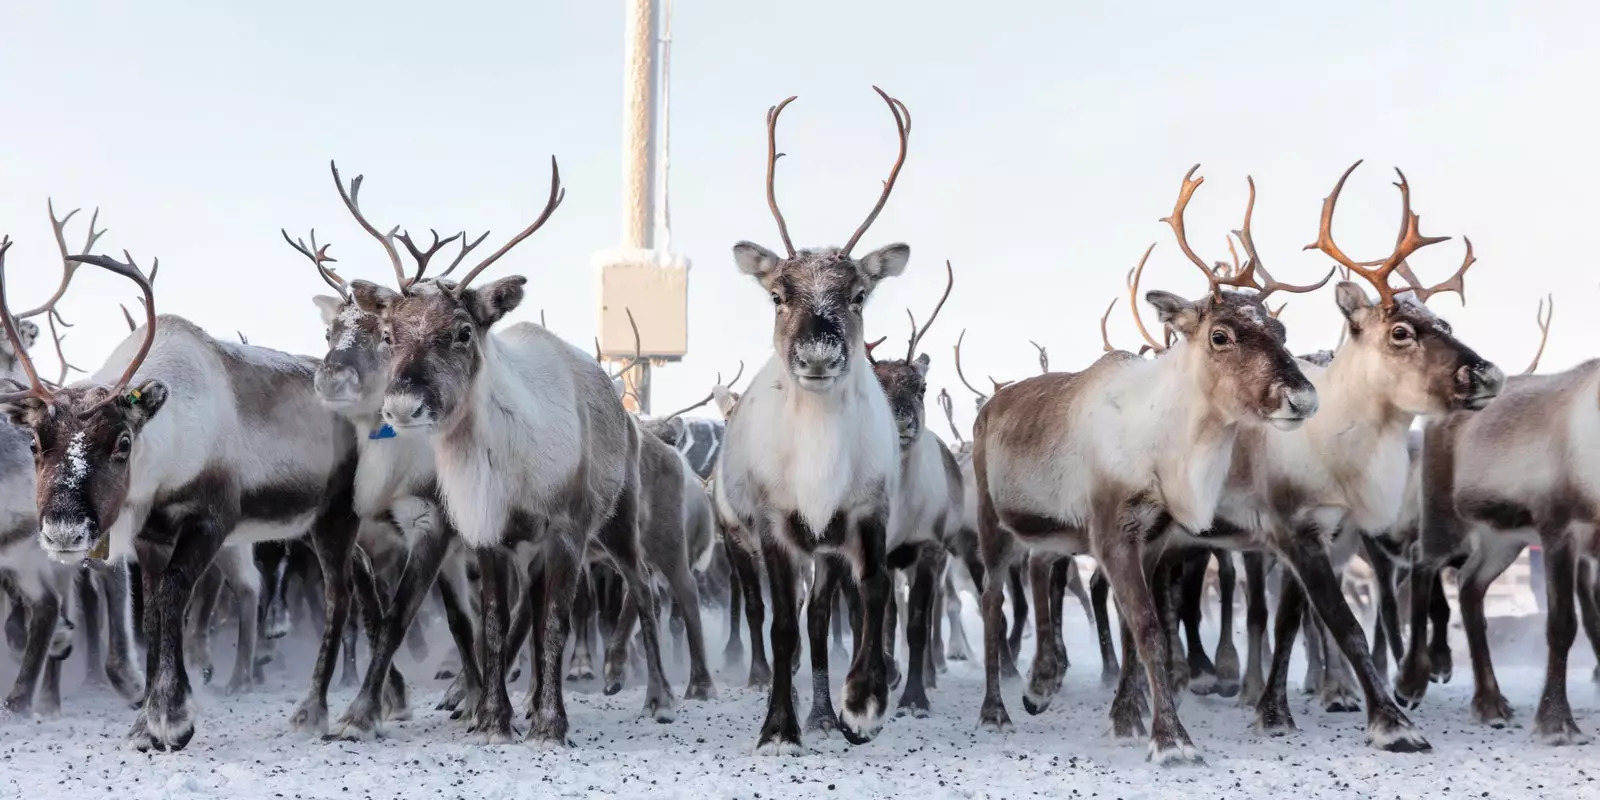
(332, 540)
(780, 733)
(168, 715)
(1411, 684)
(1049, 659)
(920, 619)
(1553, 723)
(121, 669)
(819, 610)
(866, 686)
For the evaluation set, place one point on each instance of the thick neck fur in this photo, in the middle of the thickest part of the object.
(388, 469)
(517, 444)
(812, 453)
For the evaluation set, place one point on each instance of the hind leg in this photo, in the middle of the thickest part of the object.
(201, 613)
(1589, 606)
(686, 607)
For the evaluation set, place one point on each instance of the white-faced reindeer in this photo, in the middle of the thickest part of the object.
(396, 484)
(811, 461)
(1521, 471)
(244, 453)
(925, 512)
(533, 449)
(1100, 460)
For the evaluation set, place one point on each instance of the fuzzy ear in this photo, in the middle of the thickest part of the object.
(1352, 300)
(921, 364)
(1174, 311)
(141, 403)
(886, 262)
(25, 411)
(371, 297)
(755, 260)
(725, 400)
(28, 333)
(488, 304)
(329, 306)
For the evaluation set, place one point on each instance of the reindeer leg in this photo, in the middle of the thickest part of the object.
(780, 732)
(1306, 558)
(1019, 618)
(168, 715)
(686, 604)
(1255, 576)
(919, 627)
(492, 715)
(1191, 600)
(936, 622)
(1411, 684)
(202, 612)
(333, 539)
(1099, 593)
(819, 608)
(1312, 634)
(1487, 562)
(42, 608)
(866, 685)
(956, 646)
(1227, 664)
(1044, 677)
(749, 573)
(1589, 606)
(120, 665)
(89, 605)
(1553, 723)
(998, 549)
(733, 651)
(1439, 619)
(453, 594)
(1272, 710)
(581, 668)
(239, 569)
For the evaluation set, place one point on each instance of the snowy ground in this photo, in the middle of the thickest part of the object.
(243, 749)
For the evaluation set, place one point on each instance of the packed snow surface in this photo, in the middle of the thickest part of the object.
(243, 748)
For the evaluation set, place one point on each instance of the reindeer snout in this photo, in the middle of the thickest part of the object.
(66, 540)
(1296, 404)
(1477, 384)
(335, 383)
(406, 411)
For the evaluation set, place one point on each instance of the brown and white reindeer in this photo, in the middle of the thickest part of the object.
(1521, 471)
(810, 464)
(396, 483)
(244, 453)
(1099, 461)
(533, 451)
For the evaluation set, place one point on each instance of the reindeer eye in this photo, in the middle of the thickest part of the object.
(776, 300)
(386, 336)
(1219, 338)
(327, 335)
(464, 334)
(860, 300)
(124, 447)
(1401, 334)
(33, 445)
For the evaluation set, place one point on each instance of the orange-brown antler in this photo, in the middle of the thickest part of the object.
(1246, 277)
(1105, 336)
(1133, 300)
(881, 339)
(962, 375)
(902, 123)
(918, 333)
(1376, 272)
(319, 257)
(772, 170)
(1543, 317)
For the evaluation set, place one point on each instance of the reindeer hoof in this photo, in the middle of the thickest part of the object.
(1492, 710)
(1174, 754)
(1275, 720)
(700, 691)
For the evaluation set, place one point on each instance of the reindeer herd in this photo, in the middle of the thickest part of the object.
(434, 459)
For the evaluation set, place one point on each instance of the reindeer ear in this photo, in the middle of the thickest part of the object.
(1175, 311)
(921, 364)
(28, 333)
(371, 297)
(886, 262)
(1352, 299)
(25, 411)
(755, 260)
(724, 399)
(141, 403)
(488, 304)
(329, 306)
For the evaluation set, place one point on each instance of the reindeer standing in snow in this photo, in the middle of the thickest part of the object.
(811, 461)
(532, 448)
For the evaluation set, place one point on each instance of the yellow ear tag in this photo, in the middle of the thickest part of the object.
(133, 396)
(101, 551)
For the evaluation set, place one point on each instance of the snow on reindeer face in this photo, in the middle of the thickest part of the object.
(82, 443)
(905, 384)
(817, 297)
(434, 334)
(354, 373)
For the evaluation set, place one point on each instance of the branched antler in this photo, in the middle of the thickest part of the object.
(712, 395)
(131, 271)
(1543, 317)
(902, 123)
(772, 170)
(36, 387)
(52, 318)
(869, 346)
(557, 194)
(352, 201)
(916, 333)
(948, 406)
(638, 347)
(1244, 277)
(1409, 241)
(318, 254)
(68, 267)
(422, 257)
(1044, 356)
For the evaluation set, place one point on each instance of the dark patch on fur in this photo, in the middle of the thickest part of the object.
(282, 502)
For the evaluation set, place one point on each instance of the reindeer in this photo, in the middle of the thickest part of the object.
(533, 450)
(1099, 460)
(925, 512)
(1515, 473)
(396, 482)
(811, 461)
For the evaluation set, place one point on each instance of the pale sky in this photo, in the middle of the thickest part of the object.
(1049, 138)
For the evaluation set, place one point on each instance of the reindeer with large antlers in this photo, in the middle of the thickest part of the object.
(244, 453)
(811, 462)
(532, 448)
(396, 483)
(1300, 495)
(1097, 461)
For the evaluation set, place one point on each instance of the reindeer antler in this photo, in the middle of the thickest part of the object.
(1410, 241)
(1244, 277)
(1105, 336)
(902, 123)
(352, 201)
(423, 257)
(1044, 357)
(1543, 317)
(36, 387)
(68, 267)
(916, 333)
(319, 257)
(131, 271)
(52, 318)
(557, 194)
(962, 375)
(712, 395)
(948, 406)
(1134, 275)
(772, 169)
(637, 347)
(881, 339)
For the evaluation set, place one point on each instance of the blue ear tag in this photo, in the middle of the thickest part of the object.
(384, 432)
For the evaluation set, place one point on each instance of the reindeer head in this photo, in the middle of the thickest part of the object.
(10, 365)
(1398, 342)
(905, 382)
(434, 330)
(817, 295)
(83, 436)
(1233, 343)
